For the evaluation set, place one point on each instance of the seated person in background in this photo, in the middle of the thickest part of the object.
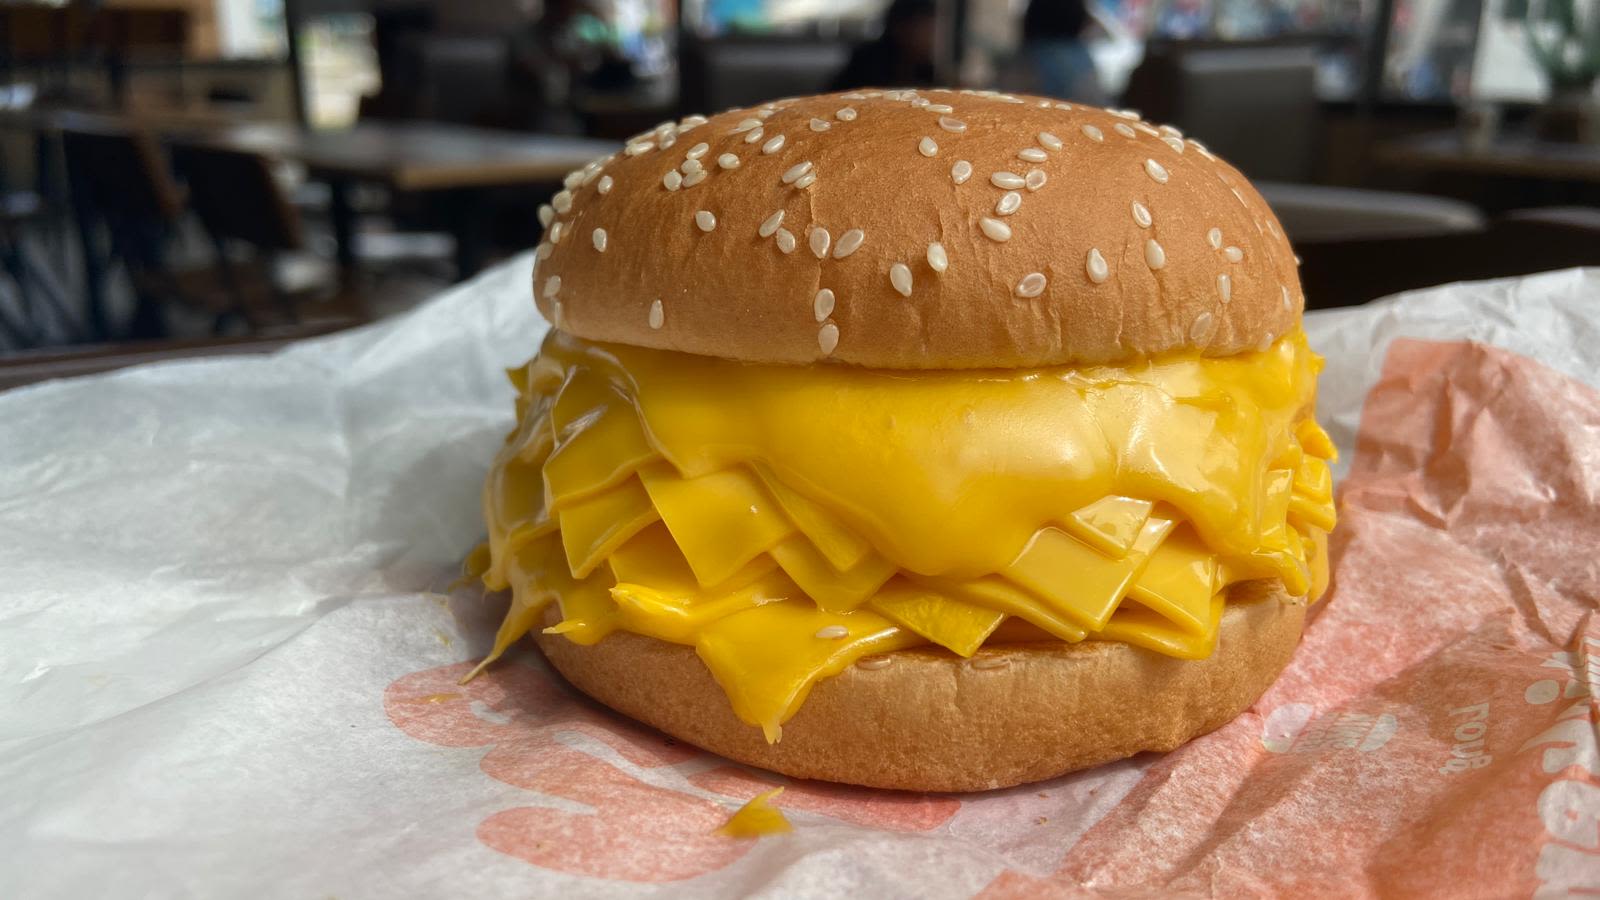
(1053, 59)
(903, 56)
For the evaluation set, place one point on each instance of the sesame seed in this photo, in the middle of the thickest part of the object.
(940, 108)
(937, 259)
(1154, 256)
(872, 662)
(694, 178)
(848, 243)
(555, 312)
(1093, 133)
(1214, 238)
(552, 285)
(1124, 114)
(599, 238)
(771, 224)
(754, 136)
(672, 180)
(546, 214)
(1141, 215)
(1225, 288)
(667, 141)
(691, 122)
(555, 233)
(920, 102)
(1124, 129)
(1238, 196)
(927, 147)
(1031, 285)
(728, 161)
(604, 187)
(1288, 302)
(1172, 142)
(573, 179)
(1009, 203)
(819, 238)
(961, 171)
(1156, 171)
(785, 240)
(1067, 107)
(953, 125)
(806, 180)
(1007, 181)
(995, 229)
(542, 251)
(745, 125)
(638, 148)
(1170, 131)
(773, 145)
(590, 174)
(900, 278)
(1234, 254)
(691, 166)
(827, 341)
(705, 220)
(1201, 329)
(823, 305)
(1202, 148)
(846, 114)
(1036, 179)
(989, 662)
(562, 201)
(1032, 154)
(657, 315)
(765, 112)
(820, 125)
(1140, 126)
(699, 150)
(795, 171)
(1096, 266)
(854, 95)
(1049, 141)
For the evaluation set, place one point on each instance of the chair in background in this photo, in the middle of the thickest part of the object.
(41, 315)
(1255, 105)
(118, 179)
(258, 240)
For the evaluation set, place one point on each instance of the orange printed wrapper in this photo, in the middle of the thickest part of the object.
(234, 675)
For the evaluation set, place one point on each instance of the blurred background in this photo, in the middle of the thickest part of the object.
(184, 177)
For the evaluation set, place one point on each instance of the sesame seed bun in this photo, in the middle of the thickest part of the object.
(917, 230)
(931, 721)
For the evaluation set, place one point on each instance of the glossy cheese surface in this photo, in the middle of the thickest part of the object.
(786, 521)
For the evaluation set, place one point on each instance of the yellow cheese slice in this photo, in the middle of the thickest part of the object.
(720, 521)
(1110, 524)
(943, 619)
(767, 658)
(592, 528)
(1179, 582)
(1077, 579)
(830, 589)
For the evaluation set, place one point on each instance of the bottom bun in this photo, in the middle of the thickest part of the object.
(931, 721)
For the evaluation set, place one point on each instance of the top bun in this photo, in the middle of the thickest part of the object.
(810, 229)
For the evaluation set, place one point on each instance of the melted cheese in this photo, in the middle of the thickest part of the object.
(787, 521)
(756, 818)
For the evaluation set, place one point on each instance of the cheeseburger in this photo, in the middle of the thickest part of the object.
(937, 440)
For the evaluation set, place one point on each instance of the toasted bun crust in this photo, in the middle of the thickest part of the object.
(930, 721)
(1185, 253)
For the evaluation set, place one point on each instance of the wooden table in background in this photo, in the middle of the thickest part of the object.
(463, 163)
(1517, 156)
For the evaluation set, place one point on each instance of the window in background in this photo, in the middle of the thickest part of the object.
(251, 29)
(341, 66)
(714, 17)
(1431, 49)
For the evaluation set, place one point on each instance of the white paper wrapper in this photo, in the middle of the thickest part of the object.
(227, 664)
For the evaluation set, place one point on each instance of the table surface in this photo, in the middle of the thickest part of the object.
(1512, 154)
(417, 156)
